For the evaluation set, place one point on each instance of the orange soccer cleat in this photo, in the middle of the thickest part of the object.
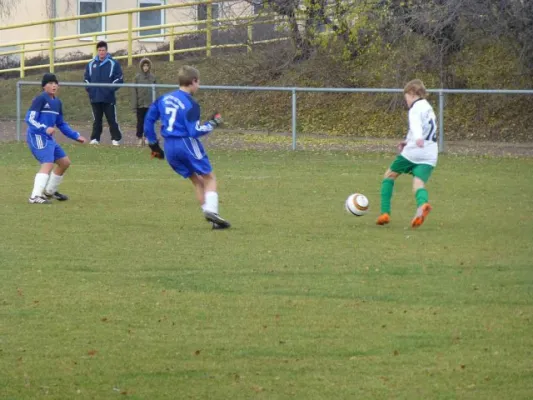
(383, 219)
(421, 214)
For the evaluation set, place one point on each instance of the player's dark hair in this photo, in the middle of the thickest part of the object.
(187, 75)
(101, 43)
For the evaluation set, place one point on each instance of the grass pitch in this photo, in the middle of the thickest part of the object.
(124, 291)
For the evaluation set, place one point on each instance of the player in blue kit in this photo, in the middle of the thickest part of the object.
(180, 126)
(46, 113)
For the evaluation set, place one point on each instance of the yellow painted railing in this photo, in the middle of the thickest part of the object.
(50, 43)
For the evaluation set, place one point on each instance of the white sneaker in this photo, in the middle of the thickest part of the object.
(115, 142)
(139, 142)
(94, 141)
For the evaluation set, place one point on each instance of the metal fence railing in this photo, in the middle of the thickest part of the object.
(294, 91)
(131, 34)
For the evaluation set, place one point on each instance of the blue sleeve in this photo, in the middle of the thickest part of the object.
(87, 76)
(117, 76)
(64, 127)
(193, 122)
(149, 121)
(32, 116)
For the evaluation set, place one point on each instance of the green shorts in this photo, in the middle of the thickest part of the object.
(403, 166)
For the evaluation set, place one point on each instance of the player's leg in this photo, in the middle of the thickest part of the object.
(199, 189)
(387, 188)
(43, 150)
(421, 174)
(210, 206)
(98, 114)
(399, 166)
(56, 177)
(110, 112)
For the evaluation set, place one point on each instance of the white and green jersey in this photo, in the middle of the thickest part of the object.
(422, 125)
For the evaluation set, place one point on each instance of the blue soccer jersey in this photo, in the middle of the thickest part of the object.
(46, 112)
(180, 117)
(180, 126)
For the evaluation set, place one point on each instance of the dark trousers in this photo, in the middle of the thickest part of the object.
(99, 109)
(141, 113)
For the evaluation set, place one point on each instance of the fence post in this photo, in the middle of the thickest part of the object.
(51, 46)
(441, 121)
(18, 112)
(208, 27)
(130, 39)
(250, 37)
(22, 61)
(171, 46)
(294, 118)
(95, 50)
(154, 94)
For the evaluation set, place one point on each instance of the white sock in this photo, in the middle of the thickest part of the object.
(53, 183)
(211, 202)
(39, 184)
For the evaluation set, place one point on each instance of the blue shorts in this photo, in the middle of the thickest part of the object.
(44, 149)
(187, 156)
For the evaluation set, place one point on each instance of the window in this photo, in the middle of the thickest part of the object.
(202, 11)
(150, 18)
(90, 25)
(259, 6)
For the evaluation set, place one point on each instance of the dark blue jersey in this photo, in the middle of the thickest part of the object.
(47, 111)
(103, 71)
(180, 117)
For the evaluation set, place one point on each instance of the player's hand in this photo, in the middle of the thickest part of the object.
(81, 139)
(157, 151)
(50, 130)
(215, 120)
(401, 145)
(420, 142)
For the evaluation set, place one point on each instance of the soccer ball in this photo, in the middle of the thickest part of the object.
(357, 204)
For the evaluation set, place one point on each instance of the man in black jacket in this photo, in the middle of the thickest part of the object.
(103, 69)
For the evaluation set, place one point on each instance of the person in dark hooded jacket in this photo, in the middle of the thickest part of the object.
(142, 96)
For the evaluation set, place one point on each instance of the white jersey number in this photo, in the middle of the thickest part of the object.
(173, 112)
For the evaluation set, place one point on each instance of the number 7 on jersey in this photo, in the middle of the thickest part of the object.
(173, 112)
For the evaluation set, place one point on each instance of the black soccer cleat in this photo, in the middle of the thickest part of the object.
(58, 196)
(217, 220)
(218, 226)
(38, 200)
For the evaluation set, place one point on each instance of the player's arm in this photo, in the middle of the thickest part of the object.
(117, 76)
(195, 128)
(66, 129)
(32, 116)
(149, 122)
(87, 76)
(152, 116)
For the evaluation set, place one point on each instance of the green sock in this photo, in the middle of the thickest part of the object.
(387, 186)
(421, 196)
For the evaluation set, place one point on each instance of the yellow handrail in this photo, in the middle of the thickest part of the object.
(166, 30)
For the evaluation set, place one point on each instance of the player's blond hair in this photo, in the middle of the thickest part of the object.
(187, 75)
(416, 87)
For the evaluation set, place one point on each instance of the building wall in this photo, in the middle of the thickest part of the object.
(36, 10)
(24, 12)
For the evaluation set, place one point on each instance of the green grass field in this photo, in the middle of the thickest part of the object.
(124, 291)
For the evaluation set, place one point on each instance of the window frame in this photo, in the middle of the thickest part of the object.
(104, 19)
(163, 19)
(213, 5)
